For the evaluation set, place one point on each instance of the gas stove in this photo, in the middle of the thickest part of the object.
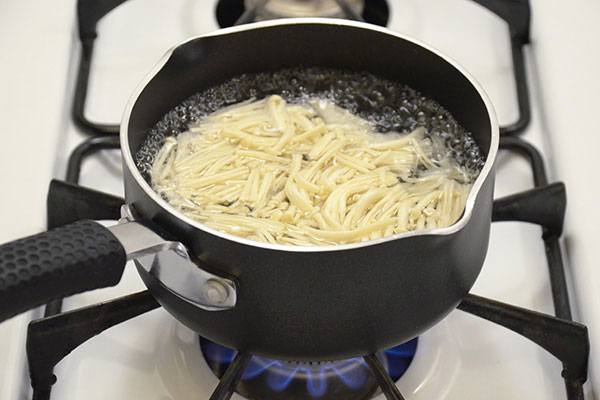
(155, 357)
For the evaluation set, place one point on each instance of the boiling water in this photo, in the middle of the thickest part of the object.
(391, 106)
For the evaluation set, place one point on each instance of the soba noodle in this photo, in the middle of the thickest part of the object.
(308, 174)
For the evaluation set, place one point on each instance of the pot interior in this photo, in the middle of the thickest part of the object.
(204, 62)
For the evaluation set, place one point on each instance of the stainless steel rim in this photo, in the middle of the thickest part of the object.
(470, 203)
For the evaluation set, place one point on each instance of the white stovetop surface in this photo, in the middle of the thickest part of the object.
(154, 357)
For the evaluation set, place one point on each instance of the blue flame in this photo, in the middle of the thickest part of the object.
(279, 381)
(255, 368)
(352, 372)
(353, 377)
(313, 389)
(217, 353)
(399, 358)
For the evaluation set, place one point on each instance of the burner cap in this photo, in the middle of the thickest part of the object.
(372, 11)
(303, 8)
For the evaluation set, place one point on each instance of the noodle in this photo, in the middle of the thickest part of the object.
(307, 174)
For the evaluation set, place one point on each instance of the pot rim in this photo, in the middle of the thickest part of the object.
(457, 226)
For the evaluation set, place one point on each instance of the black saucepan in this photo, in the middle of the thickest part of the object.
(278, 301)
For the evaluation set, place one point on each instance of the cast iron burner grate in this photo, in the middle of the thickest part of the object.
(543, 205)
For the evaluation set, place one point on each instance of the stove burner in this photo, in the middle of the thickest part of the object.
(266, 379)
(303, 8)
(372, 11)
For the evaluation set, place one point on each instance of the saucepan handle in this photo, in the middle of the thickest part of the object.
(64, 261)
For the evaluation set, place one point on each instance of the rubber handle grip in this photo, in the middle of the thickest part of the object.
(71, 259)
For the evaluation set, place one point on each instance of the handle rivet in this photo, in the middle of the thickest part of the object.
(215, 292)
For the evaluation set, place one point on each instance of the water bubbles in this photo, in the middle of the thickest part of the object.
(389, 105)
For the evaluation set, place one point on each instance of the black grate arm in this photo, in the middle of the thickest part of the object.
(517, 14)
(68, 203)
(566, 340)
(232, 377)
(89, 12)
(528, 151)
(50, 339)
(387, 385)
(543, 205)
(556, 269)
(522, 88)
(86, 148)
